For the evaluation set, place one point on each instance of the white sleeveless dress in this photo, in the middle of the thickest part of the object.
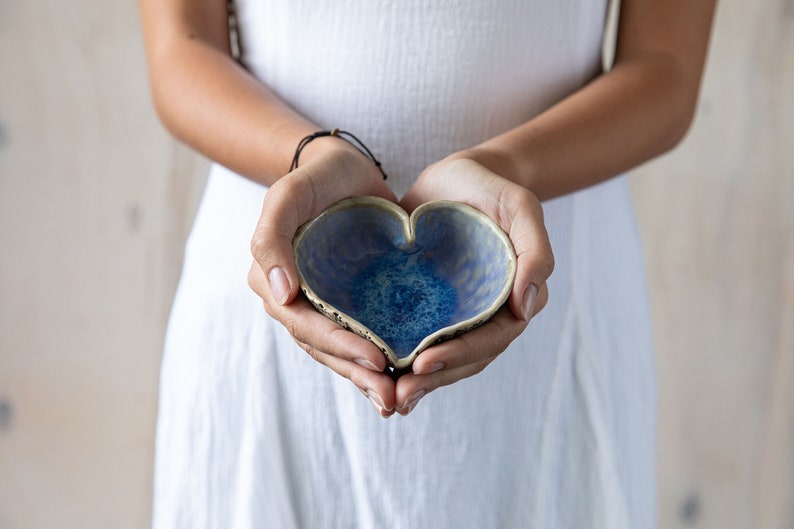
(558, 432)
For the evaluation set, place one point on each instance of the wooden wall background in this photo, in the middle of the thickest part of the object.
(96, 201)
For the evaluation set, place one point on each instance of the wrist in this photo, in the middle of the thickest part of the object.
(501, 162)
(324, 146)
(334, 157)
(344, 144)
(495, 161)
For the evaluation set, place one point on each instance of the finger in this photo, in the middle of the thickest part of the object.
(412, 388)
(456, 359)
(353, 357)
(271, 244)
(377, 387)
(307, 326)
(521, 215)
(479, 345)
(541, 300)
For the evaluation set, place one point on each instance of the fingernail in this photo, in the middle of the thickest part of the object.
(411, 402)
(279, 284)
(366, 363)
(406, 411)
(528, 303)
(432, 368)
(377, 403)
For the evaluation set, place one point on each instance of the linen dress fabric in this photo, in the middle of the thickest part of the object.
(558, 432)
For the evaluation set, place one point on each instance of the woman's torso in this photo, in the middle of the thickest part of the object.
(418, 80)
(557, 432)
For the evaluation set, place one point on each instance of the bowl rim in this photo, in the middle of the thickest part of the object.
(408, 222)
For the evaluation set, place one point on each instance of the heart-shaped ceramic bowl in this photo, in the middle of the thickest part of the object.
(404, 282)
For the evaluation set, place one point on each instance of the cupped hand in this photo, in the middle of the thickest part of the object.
(326, 178)
(519, 213)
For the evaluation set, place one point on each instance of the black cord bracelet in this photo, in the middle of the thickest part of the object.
(342, 135)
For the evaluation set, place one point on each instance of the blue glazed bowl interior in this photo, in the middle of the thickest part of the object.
(404, 280)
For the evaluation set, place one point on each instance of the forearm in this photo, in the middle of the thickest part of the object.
(217, 108)
(617, 122)
(638, 110)
(209, 101)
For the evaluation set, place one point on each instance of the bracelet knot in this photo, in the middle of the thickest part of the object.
(341, 134)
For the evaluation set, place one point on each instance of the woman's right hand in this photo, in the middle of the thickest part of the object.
(331, 171)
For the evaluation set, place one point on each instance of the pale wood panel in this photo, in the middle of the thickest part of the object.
(717, 223)
(95, 203)
(774, 508)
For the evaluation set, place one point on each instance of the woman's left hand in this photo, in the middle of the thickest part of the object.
(520, 215)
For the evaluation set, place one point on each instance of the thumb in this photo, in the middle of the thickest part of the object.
(271, 244)
(535, 258)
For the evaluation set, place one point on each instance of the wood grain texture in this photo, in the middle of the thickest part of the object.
(96, 202)
(717, 220)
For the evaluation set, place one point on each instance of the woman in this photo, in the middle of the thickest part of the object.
(499, 104)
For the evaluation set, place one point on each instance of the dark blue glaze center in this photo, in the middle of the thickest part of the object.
(402, 300)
